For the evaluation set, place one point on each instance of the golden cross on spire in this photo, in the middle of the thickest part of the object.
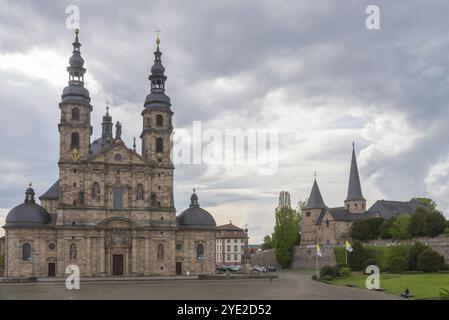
(158, 31)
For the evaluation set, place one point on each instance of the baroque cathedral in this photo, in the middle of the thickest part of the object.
(111, 212)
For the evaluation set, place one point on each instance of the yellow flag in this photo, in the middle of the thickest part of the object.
(348, 246)
(318, 250)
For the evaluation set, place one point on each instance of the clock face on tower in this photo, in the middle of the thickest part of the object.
(74, 155)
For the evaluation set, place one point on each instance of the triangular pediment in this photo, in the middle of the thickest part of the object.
(118, 153)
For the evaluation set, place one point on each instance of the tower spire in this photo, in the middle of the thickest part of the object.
(315, 200)
(75, 91)
(354, 186)
(106, 125)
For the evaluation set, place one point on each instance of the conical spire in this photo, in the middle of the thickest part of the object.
(354, 187)
(75, 91)
(315, 200)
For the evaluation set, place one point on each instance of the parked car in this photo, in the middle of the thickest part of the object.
(271, 269)
(258, 269)
(235, 268)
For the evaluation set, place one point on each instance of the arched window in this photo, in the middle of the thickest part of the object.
(159, 145)
(199, 251)
(75, 140)
(26, 251)
(159, 120)
(75, 114)
(96, 191)
(72, 251)
(160, 251)
(139, 193)
(118, 197)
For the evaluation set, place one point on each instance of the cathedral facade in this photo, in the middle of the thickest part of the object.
(111, 212)
(330, 225)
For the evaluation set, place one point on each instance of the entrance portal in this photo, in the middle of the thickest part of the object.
(117, 264)
(51, 269)
(179, 267)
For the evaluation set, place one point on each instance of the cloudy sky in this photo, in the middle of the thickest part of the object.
(309, 69)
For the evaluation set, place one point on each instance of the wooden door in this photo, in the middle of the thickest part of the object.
(179, 267)
(51, 269)
(117, 264)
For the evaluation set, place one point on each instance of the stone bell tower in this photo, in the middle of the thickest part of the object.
(74, 131)
(74, 127)
(156, 135)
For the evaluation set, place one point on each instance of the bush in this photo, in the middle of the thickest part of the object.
(328, 271)
(368, 262)
(396, 251)
(446, 230)
(400, 229)
(357, 257)
(384, 230)
(367, 229)
(340, 267)
(426, 222)
(430, 261)
(314, 277)
(444, 294)
(378, 254)
(345, 272)
(327, 278)
(415, 251)
(340, 255)
(398, 265)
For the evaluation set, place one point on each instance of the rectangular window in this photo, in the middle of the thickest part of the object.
(228, 257)
(308, 214)
(235, 240)
(235, 257)
(118, 198)
(228, 248)
(235, 248)
(228, 240)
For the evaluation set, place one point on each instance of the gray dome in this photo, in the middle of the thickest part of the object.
(157, 98)
(157, 69)
(76, 60)
(75, 92)
(196, 216)
(28, 213)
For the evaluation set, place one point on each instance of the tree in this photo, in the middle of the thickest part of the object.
(430, 261)
(400, 229)
(429, 203)
(384, 230)
(285, 235)
(367, 229)
(358, 256)
(426, 222)
(267, 242)
(415, 251)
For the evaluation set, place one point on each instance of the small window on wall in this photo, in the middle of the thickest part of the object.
(118, 157)
(235, 257)
(75, 114)
(159, 120)
(307, 213)
(178, 246)
(51, 246)
(26, 252)
(160, 251)
(75, 140)
(118, 198)
(199, 251)
(159, 145)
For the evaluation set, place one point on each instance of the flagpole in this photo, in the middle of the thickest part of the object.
(316, 258)
(346, 253)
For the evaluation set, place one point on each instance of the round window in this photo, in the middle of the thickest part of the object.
(118, 157)
(178, 246)
(52, 246)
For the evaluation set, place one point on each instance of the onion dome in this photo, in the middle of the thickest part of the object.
(75, 91)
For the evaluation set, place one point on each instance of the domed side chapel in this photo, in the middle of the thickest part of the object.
(111, 212)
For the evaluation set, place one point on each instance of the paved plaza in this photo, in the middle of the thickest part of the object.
(289, 285)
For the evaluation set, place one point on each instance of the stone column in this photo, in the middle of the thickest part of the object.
(102, 255)
(134, 253)
(88, 257)
(147, 257)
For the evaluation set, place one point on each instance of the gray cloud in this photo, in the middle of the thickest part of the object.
(311, 69)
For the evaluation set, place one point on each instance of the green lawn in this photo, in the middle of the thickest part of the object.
(421, 286)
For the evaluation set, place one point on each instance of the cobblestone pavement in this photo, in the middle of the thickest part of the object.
(290, 285)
